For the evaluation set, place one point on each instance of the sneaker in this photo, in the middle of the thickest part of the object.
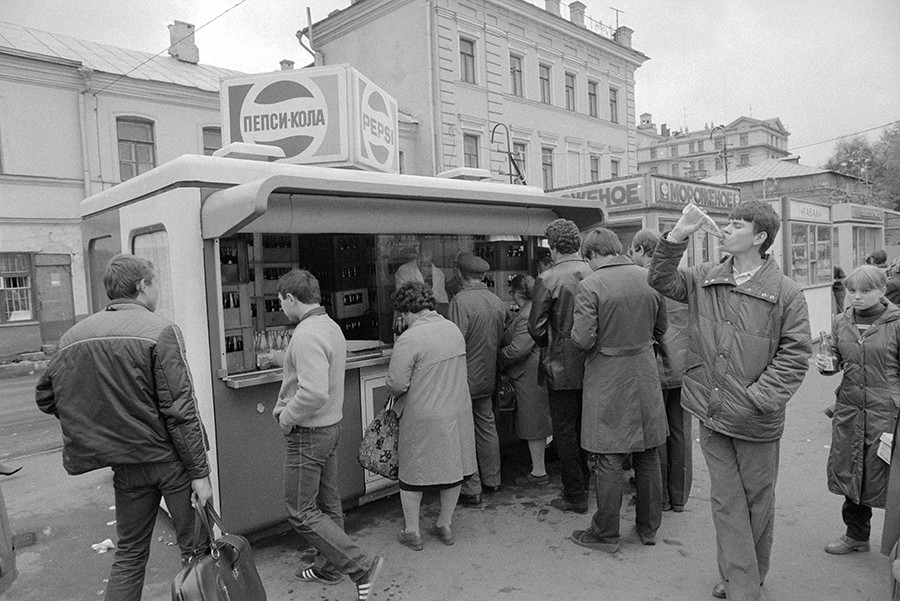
(564, 504)
(364, 585)
(530, 479)
(586, 539)
(311, 574)
(845, 545)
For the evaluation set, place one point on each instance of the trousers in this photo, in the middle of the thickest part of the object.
(487, 447)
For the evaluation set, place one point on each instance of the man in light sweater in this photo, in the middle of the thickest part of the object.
(309, 411)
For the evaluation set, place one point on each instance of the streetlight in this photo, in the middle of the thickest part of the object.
(724, 153)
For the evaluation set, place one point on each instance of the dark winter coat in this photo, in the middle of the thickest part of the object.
(617, 319)
(866, 406)
(749, 345)
(550, 323)
(122, 391)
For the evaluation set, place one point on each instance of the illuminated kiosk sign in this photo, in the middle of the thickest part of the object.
(320, 115)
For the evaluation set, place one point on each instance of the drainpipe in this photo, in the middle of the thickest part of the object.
(434, 71)
(86, 74)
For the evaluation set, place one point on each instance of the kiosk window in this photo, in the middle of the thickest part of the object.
(154, 246)
(865, 240)
(811, 254)
(15, 288)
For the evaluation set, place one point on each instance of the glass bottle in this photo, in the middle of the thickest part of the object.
(707, 224)
(826, 353)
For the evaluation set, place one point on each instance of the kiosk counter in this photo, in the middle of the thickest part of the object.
(221, 231)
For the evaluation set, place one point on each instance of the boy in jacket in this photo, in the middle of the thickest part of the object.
(748, 353)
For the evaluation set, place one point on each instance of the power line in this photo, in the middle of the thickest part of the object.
(845, 136)
(123, 76)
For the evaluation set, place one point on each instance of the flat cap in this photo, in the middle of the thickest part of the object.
(472, 264)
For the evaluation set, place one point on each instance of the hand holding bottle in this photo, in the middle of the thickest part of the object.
(826, 361)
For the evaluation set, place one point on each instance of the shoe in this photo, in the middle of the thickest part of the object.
(530, 479)
(678, 508)
(470, 500)
(719, 591)
(845, 545)
(410, 539)
(584, 538)
(5, 470)
(490, 490)
(311, 574)
(444, 533)
(564, 504)
(646, 539)
(666, 506)
(364, 586)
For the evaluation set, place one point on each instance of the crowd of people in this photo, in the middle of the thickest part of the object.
(611, 351)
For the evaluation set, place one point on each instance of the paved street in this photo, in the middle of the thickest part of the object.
(24, 430)
(516, 548)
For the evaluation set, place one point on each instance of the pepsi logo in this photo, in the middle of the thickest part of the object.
(285, 113)
(377, 125)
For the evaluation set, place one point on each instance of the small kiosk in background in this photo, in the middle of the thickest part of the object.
(858, 230)
(654, 201)
(892, 234)
(803, 249)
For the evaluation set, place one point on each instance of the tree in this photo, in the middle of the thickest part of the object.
(887, 176)
(877, 164)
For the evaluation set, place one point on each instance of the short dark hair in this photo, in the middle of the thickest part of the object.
(562, 235)
(878, 257)
(601, 241)
(523, 284)
(646, 240)
(124, 273)
(300, 284)
(412, 297)
(762, 216)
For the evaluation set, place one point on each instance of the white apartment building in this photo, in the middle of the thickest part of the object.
(465, 73)
(77, 117)
(703, 153)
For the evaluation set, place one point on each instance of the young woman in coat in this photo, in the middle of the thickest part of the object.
(866, 341)
(520, 357)
(427, 375)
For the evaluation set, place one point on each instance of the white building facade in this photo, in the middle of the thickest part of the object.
(560, 84)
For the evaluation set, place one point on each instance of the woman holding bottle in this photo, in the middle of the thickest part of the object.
(865, 344)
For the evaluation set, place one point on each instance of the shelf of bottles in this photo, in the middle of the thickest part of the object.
(235, 303)
(506, 259)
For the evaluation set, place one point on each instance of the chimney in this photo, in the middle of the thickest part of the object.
(646, 120)
(664, 130)
(576, 13)
(286, 65)
(622, 35)
(553, 7)
(181, 38)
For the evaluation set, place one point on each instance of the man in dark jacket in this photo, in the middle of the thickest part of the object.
(748, 353)
(122, 391)
(617, 319)
(480, 315)
(550, 324)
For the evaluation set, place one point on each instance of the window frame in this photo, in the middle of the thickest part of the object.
(569, 86)
(516, 87)
(613, 105)
(520, 151)
(468, 140)
(209, 129)
(11, 296)
(614, 168)
(547, 167)
(595, 168)
(593, 91)
(744, 140)
(545, 86)
(134, 145)
(467, 61)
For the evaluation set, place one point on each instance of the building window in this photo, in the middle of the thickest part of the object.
(614, 168)
(466, 60)
(136, 147)
(595, 168)
(674, 148)
(744, 140)
(654, 153)
(614, 105)
(520, 152)
(700, 146)
(544, 74)
(547, 167)
(515, 75)
(701, 167)
(15, 288)
(692, 147)
(744, 160)
(593, 100)
(570, 91)
(676, 169)
(212, 140)
(470, 150)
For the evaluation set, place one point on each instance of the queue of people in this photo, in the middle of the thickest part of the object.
(610, 353)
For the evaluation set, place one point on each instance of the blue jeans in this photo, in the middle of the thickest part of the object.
(607, 468)
(313, 500)
(139, 487)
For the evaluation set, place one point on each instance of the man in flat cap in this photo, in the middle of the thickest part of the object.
(480, 316)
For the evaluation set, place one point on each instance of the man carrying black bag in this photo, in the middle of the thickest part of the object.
(122, 392)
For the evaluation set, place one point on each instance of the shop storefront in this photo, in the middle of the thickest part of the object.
(858, 230)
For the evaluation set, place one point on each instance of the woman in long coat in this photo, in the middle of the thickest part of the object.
(520, 358)
(866, 342)
(427, 375)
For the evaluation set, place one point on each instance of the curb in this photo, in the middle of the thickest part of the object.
(22, 368)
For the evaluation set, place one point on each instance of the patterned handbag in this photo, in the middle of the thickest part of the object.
(378, 449)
